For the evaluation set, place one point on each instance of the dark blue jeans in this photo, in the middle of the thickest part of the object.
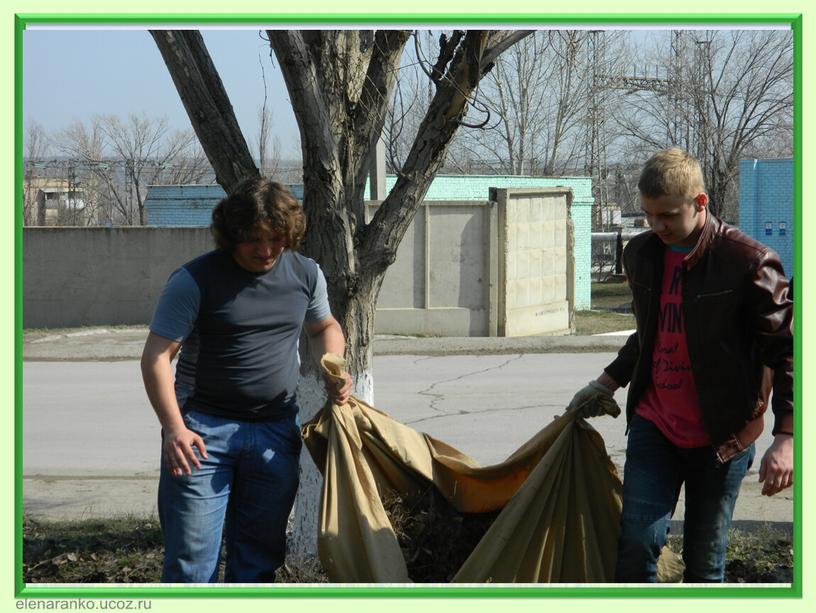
(654, 471)
(246, 487)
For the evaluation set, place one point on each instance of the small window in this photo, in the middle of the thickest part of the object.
(783, 228)
(768, 228)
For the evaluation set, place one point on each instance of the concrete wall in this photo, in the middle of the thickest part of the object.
(439, 283)
(101, 276)
(535, 258)
(191, 205)
(477, 187)
(456, 273)
(766, 205)
(497, 267)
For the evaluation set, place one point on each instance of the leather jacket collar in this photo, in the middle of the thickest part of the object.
(703, 241)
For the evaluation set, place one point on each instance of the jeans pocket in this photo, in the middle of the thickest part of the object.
(746, 456)
(220, 435)
(190, 418)
(291, 432)
(204, 423)
(297, 433)
(296, 439)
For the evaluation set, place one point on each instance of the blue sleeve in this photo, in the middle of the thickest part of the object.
(318, 308)
(177, 309)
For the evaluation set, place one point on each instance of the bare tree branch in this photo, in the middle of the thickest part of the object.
(207, 104)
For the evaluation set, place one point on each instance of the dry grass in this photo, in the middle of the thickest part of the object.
(764, 555)
(611, 295)
(588, 323)
(435, 539)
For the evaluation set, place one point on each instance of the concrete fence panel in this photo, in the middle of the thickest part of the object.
(439, 283)
(101, 276)
(535, 261)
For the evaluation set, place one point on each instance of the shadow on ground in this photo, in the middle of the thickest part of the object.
(129, 550)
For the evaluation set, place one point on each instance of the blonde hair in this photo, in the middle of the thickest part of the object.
(671, 172)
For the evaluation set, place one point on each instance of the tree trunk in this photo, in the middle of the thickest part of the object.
(340, 84)
(357, 318)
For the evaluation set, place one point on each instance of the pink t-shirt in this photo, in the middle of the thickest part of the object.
(671, 402)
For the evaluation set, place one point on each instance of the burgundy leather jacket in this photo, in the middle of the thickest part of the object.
(739, 331)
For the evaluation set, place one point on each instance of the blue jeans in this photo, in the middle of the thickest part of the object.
(654, 471)
(245, 488)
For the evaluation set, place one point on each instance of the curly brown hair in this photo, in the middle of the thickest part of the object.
(254, 202)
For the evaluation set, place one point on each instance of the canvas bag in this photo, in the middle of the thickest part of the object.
(559, 496)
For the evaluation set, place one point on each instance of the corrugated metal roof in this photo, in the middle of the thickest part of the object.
(187, 205)
(184, 192)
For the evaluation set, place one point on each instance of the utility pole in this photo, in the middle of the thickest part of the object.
(677, 105)
(71, 199)
(595, 142)
(599, 82)
(702, 53)
(129, 189)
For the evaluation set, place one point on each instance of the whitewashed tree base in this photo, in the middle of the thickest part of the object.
(312, 397)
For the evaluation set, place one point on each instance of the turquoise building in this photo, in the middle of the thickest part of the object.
(766, 205)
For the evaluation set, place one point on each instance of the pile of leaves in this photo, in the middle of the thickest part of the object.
(304, 571)
(93, 551)
(435, 538)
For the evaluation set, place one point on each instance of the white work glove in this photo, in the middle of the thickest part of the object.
(593, 400)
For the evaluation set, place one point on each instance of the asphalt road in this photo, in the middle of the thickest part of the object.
(91, 441)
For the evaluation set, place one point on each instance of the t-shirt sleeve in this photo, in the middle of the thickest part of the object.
(177, 309)
(318, 308)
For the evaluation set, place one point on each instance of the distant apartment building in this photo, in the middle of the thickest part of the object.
(51, 202)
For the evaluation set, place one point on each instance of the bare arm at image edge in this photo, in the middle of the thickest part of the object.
(157, 375)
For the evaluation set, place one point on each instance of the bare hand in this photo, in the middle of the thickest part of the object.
(178, 451)
(339, 391)
(776, 469)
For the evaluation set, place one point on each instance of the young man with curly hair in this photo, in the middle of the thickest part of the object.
(714, 335)
(230, 428)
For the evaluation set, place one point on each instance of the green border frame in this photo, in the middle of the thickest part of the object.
(21, 590)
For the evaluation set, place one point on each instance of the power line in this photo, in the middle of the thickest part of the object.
(106, 164)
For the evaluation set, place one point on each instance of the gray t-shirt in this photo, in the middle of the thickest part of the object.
(239, 332)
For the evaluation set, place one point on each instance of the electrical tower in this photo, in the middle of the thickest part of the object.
(600, 81)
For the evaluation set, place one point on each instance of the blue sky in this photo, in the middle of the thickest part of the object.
(75, 74)
(71, 74)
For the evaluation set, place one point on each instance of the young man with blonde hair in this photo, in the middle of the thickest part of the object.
(230, 430)
(714, 335)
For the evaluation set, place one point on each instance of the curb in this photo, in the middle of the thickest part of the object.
(105, 345)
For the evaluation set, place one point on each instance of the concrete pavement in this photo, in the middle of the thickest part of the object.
(91, 443)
